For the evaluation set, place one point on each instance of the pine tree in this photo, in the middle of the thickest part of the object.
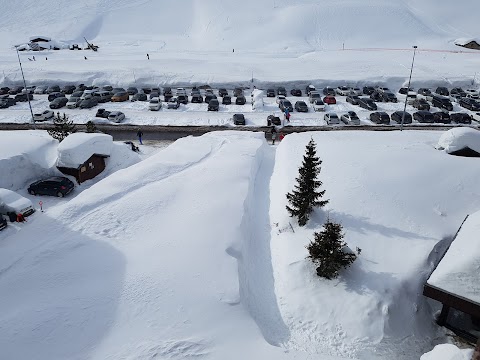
(329, 252)
(305, 196)
(91, 128)
(63, 127)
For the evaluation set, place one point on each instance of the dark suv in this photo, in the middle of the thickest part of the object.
(469, 104)
(213, 105)
(421, 104)
(54, 186)
(272, 119)
(423, 116)
(285, 104)
(461, 118)
(380, 117)
(281, 91)
(442, 102)
(442, 90)
(367, 103)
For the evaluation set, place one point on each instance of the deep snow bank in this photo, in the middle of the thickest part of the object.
(143, 264)
(459, 138)
(396, 197)
(448, 352)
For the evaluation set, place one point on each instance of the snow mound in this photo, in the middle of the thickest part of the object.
(465, 41)
(25, 156)
(459, 138)
(77, 148)
(447, 352)
(457, 273)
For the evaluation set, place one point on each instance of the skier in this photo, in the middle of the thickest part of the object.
(273, 133)
(85, 57)
(140, 134)
(34, 58)
(148, 57)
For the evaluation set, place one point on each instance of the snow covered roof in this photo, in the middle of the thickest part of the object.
(458, 139)
(458, 272)
(79, 147)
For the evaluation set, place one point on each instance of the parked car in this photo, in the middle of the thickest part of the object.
(352, 99)
(43, 116)
(425, 93)
(214, 105)
(58, 103)
(197, 99)
(330, 100)
(209, 96)
(3, 222)
(441, 117)
(7, 102)
(368, 90)
(87, 94)
(442, 90)
(80, 87)
(318, 105)
(331, 118)
(195, 91)
(380, 117)
(313, 96)
(285, 104)
(155, 104)
(472, 94)
(173, 103)
(350, 118)
(226, 100)
(4, 90)
(476, 116)
(442, 102)
(53, 88)
(132, 90)
(457, 92)
(270, 92)
(238, 119)
(73, 102)
(55, 95)
(388, 96)
(240, 100)
(146, 90)
(11, 202)
(55, 186)
(329, 91)
(68, 89)
(343, 90)
(469, 104)
(273, 120)
(376, 96)
(279, 99)
(237, 92)
(301, 106)
(421, 104)
(461, 118)
(116, 116)
(107, 88)
(23, 97)
(296, 92)
(423, 116)
(382, 89)
(367, 103)
(15, 90)
(281, 91)
(167, 91)
(404, 90)
(40, 90)
(78, 94)
(120, 96)
(355, 90)
(88, 103)
(139, 97)
(29, 90)
(222, 92)
(154, 94)
(411, 97)
(182, 99)
(398, 115)
(102, 113)
(309, 88)
(103, 96)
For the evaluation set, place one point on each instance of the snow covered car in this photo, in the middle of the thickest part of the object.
(472, 94)
(43, 116)
(116, 116)
(279, 99)
(155, 104)
(350, 118)
(318, 105)
(55, 186)
(331, 118)
(11, 202)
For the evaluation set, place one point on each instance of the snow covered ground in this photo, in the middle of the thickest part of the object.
(189, 253)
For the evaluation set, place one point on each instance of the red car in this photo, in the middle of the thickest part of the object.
(329, 100)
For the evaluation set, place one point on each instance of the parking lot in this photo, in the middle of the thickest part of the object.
(196, 114)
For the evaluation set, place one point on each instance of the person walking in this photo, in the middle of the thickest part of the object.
(140, 134)
(20, 218)
(148, 57)
(273, 134)
(85, 57)
(34, 58)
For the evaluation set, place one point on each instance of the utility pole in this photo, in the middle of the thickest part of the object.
(408, 88)
(25, 87)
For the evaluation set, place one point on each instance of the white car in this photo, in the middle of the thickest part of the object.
(11, 202)
(280, 98)
(155, 104)
(40, 90)
(73, 102)
(116, 116)
(472, 94)
(87, 94)
(43, 116)
(318, 105)
(343, 90)
(350, 118)
(331, 118)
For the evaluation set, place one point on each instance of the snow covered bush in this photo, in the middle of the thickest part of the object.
(329, 252)
(305, 196)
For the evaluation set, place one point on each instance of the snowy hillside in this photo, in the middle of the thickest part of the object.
(276, 40)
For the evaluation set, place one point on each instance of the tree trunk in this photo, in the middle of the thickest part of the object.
(476, 353)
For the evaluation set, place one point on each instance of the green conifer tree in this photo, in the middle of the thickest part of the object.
(91, 128)
(63, 127)
(305, 197)
(329, 252)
